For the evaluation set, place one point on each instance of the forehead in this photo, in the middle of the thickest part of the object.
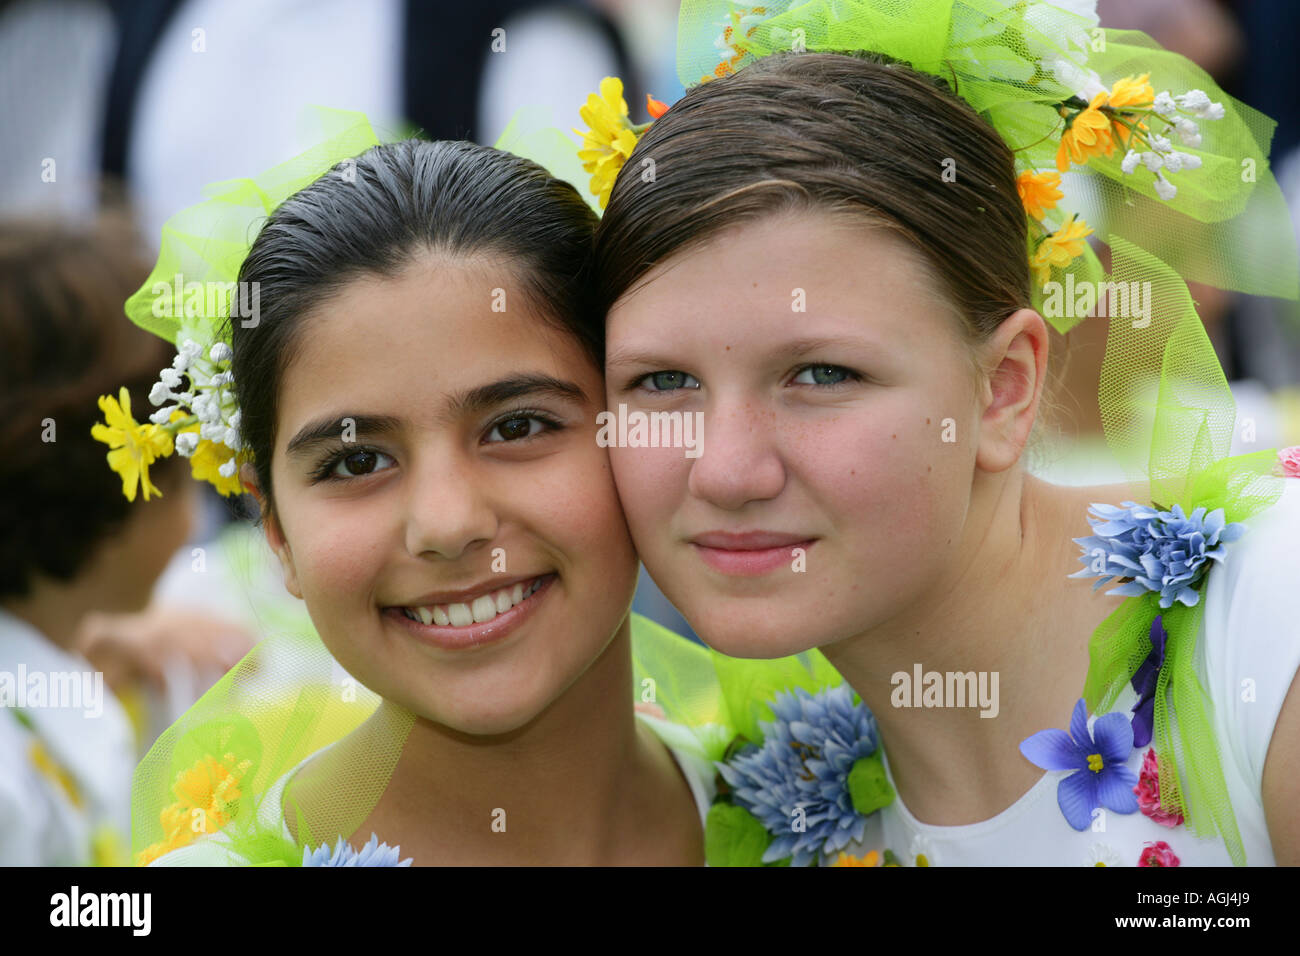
(397, 344)
(785, 274)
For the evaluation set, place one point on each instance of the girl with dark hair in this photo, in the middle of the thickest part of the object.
(842, 261)
(406, 376)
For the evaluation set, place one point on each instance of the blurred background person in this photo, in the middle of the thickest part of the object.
(72, 546)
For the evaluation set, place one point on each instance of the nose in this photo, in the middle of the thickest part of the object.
(448, 512)
(740, 461)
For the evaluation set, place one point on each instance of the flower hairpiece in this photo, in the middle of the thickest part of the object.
(198, 418)
(611, 136)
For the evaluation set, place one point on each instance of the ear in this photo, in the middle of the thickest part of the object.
(1016, 355)
(274, 533)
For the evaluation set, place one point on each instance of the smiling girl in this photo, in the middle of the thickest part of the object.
(416, 401)
(831, 265)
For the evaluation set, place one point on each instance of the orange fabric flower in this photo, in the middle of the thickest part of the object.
(844, 859)
(1089, 135)
(1039, 191)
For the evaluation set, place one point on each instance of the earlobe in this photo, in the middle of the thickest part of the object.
(274, 534)
(1018, 356)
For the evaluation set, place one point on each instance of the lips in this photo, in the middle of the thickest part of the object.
(749, 553)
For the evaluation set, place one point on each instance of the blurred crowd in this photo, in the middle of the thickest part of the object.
(115, 113)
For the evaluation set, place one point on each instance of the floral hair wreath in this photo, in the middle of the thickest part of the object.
(1096, 119)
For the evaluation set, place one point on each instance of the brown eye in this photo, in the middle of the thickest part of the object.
(516, 428)
(361, 462)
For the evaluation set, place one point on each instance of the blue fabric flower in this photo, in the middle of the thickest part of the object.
(373, 853)
(1144, 682)
(804, 764)
(1162, 551)
(1101, 775)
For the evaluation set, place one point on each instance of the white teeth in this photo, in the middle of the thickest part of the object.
(483, 608)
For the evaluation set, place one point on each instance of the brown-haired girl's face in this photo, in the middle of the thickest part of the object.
(841, 428)
(435, 452)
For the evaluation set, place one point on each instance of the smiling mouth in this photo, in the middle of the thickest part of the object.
(481, 610)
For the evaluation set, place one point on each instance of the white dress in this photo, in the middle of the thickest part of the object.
(213, 849)
(1247, 656)
(66, 756)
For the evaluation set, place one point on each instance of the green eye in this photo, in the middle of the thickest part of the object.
(669, 381)
(823, 375)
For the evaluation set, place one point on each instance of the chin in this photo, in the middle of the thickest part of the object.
(755, 635)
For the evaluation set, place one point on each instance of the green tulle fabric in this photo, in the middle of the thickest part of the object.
(215, 770)
(1167, 411)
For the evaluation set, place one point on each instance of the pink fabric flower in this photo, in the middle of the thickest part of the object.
(1157, 854)
(1148, 793)
(1289, 459)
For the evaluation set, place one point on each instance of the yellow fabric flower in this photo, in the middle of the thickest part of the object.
(133, 447)
(610, 140)
(844, 859)
(1039, 191)
(1059, 249)
(1132, 92)
(1089, 135)
(210, 786)
(206, 462)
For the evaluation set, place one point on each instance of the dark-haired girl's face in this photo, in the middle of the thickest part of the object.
(841, 430)
(443, 506)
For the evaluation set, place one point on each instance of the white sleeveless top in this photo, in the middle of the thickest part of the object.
(1247, 655)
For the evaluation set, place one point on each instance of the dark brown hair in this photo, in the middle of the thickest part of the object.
(852, 133)
(66, 341)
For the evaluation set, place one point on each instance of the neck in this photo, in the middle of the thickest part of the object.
(1003, 612)
(573, 786)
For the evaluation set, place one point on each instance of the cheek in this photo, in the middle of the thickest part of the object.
(337, 548)
(652, 484)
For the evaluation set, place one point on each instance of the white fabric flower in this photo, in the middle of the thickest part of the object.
(163, 415)
(1164, 188)
(170, 377)
(1131, 160)
(159, 393)
(220, 352)
(1164, 104)
(1188, 160)
(186, 442)
(1152, 161)
(227, 470)
(1101, 854)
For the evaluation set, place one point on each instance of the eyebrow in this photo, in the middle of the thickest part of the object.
(798, 348)
(471, 401)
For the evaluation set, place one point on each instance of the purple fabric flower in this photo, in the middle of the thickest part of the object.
(1101, 776)
(1144, 682)
(1163, 551)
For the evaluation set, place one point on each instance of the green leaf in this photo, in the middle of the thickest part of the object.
(869, 788)
(734, 837)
